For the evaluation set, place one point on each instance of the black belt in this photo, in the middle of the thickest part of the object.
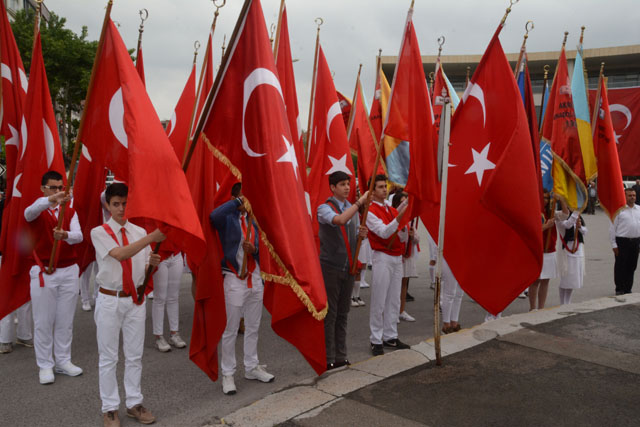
(630, 239)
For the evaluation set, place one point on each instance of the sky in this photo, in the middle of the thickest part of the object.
(352, 32)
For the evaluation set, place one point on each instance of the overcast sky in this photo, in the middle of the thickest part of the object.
(352, 33)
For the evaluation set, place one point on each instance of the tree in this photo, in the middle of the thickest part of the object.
(68, 59)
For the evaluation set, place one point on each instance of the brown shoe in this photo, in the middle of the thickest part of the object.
(141, 414)
(110, 419)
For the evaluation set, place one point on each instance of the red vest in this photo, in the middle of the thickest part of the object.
(549, 237)
(386, 214)
(41, 230)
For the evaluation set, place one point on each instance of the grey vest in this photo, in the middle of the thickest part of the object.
(333, 251)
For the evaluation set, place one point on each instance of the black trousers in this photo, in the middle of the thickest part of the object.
(625, 265)
(339, 285)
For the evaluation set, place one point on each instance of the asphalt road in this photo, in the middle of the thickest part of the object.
(179, 394)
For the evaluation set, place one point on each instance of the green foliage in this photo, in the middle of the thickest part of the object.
(68, 58)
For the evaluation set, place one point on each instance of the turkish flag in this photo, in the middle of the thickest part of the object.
(560, 130)
(493, 239)
(410, 118)
(40, 152)
(140, 65)
(329, 146)
(610, 186)
(178, 128)
(247, 123)
(14, 89)
(376, 112)
(345, 107)
(624, 105)
(361, 136)
(123, 133)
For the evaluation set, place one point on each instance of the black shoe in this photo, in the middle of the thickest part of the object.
(409, 298)
(377, 349)
(330, 366)
(396, 343)
(341, 363)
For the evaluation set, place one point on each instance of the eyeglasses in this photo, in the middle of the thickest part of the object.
(54, 187)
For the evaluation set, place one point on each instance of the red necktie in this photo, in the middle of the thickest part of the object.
(251, 262)
(127, 273)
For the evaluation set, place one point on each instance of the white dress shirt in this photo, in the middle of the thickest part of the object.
(109, 269)
(626, 224)
(74, 234)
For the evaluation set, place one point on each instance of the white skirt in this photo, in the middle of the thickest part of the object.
(573, 270)
(549, 266)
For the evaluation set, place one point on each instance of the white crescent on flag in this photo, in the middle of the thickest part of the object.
(476, 91)
(333, 112)
(48, 143)
(173, 123)
(116, 118)
(259, 76)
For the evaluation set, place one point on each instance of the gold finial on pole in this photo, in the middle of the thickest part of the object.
(412, 2)
(196, 47)
(545, 83)
(224, 41)
(508, 11)
(431, 78)
(36, 22)
(144, 14)
(272, 33)
(582, 34)
(528, 26)
(596, 105)
(564, 41)
(468, 77)
(319, 22)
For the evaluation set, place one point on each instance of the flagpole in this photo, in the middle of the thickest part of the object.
(36, 21)
(351, 112)
(224, 41)
(78, 144)
(196, 47)
(523, 47)
(446, 133)
(319, 22)
(243, 270)
(545, 84)
(144, 14)
(596, 105)
(202, 71)
(276, 44)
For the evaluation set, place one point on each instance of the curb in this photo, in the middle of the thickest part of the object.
(309, 398)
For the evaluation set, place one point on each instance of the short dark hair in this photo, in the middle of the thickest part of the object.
(116, 189)
(629, 189)
(379, 177)
(338, 176)
(235, 189)
(51, 175)
(397, 198)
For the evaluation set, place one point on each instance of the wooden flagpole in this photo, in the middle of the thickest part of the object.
(276, 43)
(187, 150)
(445, 133)
(249, 238)
(76, 149)
(352, 111)
(319, 22)
(523, 47)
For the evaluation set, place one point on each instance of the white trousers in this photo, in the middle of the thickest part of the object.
(25, 324)
(166, 291)
(54, 307)
(85, 281)
(386, 283)
(113, 314)
(241, 301)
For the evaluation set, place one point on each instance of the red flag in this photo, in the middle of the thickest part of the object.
(178, 129)
(410, 119)
(625, 117)
(329, 146)
(493, 242)
(140, 65)
(248, 112)
(560, 130)
(440, 91)
(361, 136)
(123, 133)
(40, 152)
(284, 63)
(610, 186)
(14, 89)
(375, 115)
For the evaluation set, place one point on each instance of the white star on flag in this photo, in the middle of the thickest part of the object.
(338, 165)
(290, 156)
(480, 163)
